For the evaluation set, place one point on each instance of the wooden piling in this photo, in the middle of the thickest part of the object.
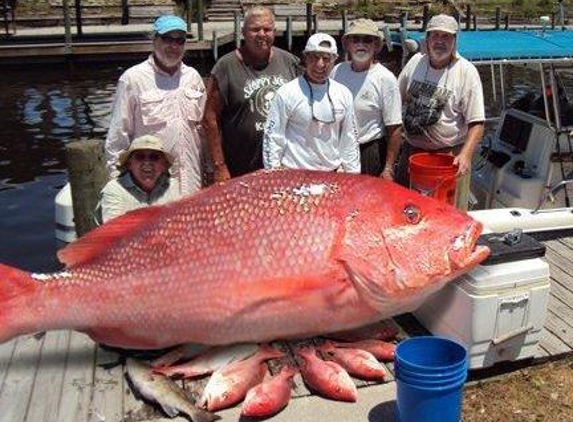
(497, 18)
(124, 12)
(457, 17)
(308, 19)
(189, 14)
(425, 17)
(553, 20)
(237, 29)
(289, 32)
(344, 21)
(315, 23)
(200, 16)
(67, 27)
(468, 16)
(475, 25)
(403, 19)
(88, 175)
(78, 6)
(506, 21)
(387, 38)
(215, 46)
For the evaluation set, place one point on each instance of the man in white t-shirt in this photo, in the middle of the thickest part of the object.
(444, 108)
(311, 123)
(377, 101)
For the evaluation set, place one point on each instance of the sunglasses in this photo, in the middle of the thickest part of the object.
(146, 156)
(172, 40)
(365, 39)
(317, 113)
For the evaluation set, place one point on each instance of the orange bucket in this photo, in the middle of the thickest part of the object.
(434, 174)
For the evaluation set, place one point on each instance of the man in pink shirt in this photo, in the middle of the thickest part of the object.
(163, 97)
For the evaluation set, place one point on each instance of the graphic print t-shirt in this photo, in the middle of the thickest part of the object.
(246, 94)
(440, 103)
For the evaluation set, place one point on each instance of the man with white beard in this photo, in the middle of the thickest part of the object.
(377, 102)
(163, 97)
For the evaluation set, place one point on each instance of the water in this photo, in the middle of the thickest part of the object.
(43, 108)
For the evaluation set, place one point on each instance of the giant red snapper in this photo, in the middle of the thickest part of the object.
(271, 255)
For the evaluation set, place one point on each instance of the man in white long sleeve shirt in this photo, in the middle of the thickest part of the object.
(163, 97)
(311, 123)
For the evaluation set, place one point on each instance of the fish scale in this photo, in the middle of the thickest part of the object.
(270, 255)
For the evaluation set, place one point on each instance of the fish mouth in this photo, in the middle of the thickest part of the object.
(465, 253)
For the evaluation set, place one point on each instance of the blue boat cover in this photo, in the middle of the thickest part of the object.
(512, 45)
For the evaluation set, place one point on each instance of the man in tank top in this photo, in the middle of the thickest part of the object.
(239, 92)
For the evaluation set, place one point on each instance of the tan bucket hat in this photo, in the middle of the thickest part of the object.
(444, 23)
(145, 142)
(363, 27)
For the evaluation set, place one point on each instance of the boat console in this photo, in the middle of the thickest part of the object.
(515, 167)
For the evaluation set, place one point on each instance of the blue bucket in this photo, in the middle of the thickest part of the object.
(430, 374)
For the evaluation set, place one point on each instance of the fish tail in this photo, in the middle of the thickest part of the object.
(15, 287)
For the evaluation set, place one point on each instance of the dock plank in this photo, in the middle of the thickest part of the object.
(567, 241)
(48, 385)
(561, 281)
(20, 378)
(6, 354)
(553, 344)
(107, 398)
(561, 309)
(559, 255)
(78, 379)
(560, 328)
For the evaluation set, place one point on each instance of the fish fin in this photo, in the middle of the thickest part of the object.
(15, 287)
(170, 410)
(120, 337)
(102, 238)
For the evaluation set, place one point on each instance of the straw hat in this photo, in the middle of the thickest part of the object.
(145, 142)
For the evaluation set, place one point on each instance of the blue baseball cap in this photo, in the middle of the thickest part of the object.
(168, 23)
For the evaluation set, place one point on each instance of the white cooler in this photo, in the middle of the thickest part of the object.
(497, 311)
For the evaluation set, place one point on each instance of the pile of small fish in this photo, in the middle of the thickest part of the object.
(239, 373)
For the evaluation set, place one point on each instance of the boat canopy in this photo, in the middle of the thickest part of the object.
(512, 45)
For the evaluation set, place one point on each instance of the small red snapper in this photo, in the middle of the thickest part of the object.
(270, 396)
(381, 350)
(210, 361)
(230, 384)
(358, 363)
(326, 377)
(270, 255)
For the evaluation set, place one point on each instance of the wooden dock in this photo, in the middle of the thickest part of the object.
(118, 40)
(60, 377)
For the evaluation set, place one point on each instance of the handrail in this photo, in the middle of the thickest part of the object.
(553, 189)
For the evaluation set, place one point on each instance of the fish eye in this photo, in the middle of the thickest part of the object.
(412, 214)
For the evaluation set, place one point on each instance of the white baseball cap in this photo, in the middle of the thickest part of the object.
(321, 43)
(444, 23)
